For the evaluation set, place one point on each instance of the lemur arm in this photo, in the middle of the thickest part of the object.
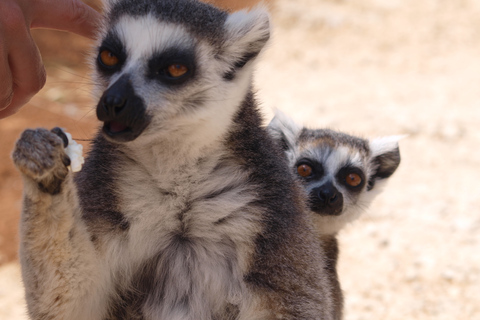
(58, 258)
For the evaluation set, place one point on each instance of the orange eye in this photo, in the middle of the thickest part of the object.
(177, 70)
(304, 170)
(108, 58)
(353, 180)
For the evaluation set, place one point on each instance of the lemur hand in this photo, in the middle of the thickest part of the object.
(22, 73)
(40, 155)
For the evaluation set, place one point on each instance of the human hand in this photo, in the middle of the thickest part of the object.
(22, 73)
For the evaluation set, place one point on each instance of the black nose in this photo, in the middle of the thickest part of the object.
(113, 102)
(326, 200)
(329, 196)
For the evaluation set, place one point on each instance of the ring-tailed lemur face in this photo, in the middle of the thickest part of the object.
(333, 168)
(339, 172)
(163, 65)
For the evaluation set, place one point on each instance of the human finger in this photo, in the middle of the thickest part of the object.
(22, 69)
(6, 84)
(27, 75)
(67, 15)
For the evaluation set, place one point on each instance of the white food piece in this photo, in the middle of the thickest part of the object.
(74, 151)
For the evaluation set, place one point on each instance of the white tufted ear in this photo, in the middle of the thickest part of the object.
(385, 156)
(247, 32)
(284, 130)
(385, 144)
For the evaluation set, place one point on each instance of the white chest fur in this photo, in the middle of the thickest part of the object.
(193, 226)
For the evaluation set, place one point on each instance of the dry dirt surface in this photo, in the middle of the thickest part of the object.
(368, 67)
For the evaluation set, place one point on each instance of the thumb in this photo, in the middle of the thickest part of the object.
(67, 15)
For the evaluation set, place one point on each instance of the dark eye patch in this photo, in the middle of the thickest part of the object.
(345, 172)
(317, 171)
(112, 44)
(158, 66)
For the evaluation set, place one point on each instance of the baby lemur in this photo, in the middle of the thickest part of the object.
(340, 173)
(184, 209)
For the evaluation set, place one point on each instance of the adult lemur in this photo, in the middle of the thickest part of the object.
(183, 210)
(341, 174)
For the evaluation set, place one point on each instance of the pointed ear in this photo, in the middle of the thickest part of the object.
(246, 35)
(385, 157)
(284, 130)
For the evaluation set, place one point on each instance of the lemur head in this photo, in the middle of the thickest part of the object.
(172, 65)
(341, 173)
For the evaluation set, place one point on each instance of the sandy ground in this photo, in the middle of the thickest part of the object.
(368, 67)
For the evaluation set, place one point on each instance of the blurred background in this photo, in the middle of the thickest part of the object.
(367, 67)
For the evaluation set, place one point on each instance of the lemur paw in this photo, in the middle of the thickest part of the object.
(40, 155)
